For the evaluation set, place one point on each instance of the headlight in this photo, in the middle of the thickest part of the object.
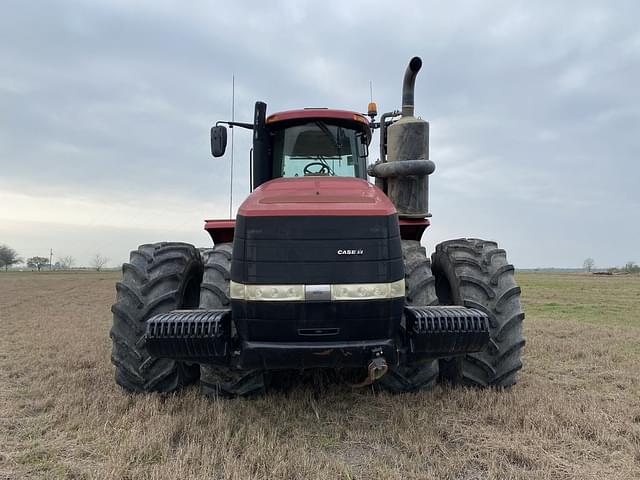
(296, 293)
(367, 291)
(284, 293)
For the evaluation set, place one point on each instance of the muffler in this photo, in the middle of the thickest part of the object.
(406, 168)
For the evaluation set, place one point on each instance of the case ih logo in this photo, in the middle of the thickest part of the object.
(351, 252)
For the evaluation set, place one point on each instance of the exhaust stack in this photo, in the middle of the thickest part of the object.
(408, 86)
(406, 171)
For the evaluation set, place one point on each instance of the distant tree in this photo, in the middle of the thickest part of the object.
(8, 257)
(98, 261)
(631, 267)
(37, 262)
(588, 264)
(66, 262)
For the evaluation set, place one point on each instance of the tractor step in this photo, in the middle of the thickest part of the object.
(196, 335)
(442, 331)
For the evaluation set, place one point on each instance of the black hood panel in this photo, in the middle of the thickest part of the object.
(316, 249)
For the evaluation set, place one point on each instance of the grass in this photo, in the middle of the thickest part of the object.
(574, 414)
(610, 300)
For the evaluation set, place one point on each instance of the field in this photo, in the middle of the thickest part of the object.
(574, 414)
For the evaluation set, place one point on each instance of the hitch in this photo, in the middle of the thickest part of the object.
(376, 369)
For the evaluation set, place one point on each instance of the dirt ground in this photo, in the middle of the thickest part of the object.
(574, 414)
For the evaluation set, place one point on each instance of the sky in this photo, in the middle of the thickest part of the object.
(106, 106)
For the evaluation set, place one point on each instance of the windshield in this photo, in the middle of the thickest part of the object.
(320, 149)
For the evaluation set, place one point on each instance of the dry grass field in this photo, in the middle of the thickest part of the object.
(574, 414)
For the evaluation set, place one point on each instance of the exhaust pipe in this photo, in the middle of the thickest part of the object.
(408, 86)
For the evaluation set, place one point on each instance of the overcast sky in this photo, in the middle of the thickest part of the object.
(105, 108)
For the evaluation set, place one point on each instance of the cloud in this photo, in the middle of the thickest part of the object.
(534, 110)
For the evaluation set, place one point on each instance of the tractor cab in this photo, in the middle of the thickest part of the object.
(319, 142)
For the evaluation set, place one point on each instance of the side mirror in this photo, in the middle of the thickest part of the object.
(218, 140)
(364, 151)
(340, 138)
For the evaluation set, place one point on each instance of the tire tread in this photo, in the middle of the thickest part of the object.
(153, 281)
(493, 290)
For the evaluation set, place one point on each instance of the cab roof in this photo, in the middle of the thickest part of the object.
(345, 116)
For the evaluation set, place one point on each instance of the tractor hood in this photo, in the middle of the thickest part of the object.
(316, 232)
(304, 196)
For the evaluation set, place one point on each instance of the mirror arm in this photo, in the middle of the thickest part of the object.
(248, 126)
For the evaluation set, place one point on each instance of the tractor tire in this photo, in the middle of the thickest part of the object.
(159, 277)
(419, 290)
(216, 380)
(475, 273)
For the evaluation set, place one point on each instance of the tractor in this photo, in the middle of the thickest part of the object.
(321, 269)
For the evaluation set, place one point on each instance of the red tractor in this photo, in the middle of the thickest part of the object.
(321, 269)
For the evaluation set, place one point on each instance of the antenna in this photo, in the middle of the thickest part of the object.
(371, 90)
(233, 117)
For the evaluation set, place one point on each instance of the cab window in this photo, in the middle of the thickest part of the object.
(318, 148)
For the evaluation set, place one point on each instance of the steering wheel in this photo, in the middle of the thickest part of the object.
(324, 169)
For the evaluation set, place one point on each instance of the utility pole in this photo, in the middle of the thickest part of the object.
(51, 259)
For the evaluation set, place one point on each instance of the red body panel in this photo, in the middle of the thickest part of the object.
(316, 196)
(221, 231)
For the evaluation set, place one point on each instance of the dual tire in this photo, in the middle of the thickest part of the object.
(158, 278)
(472, 273)
(217, 380)
(419, 290)
(475, 273)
